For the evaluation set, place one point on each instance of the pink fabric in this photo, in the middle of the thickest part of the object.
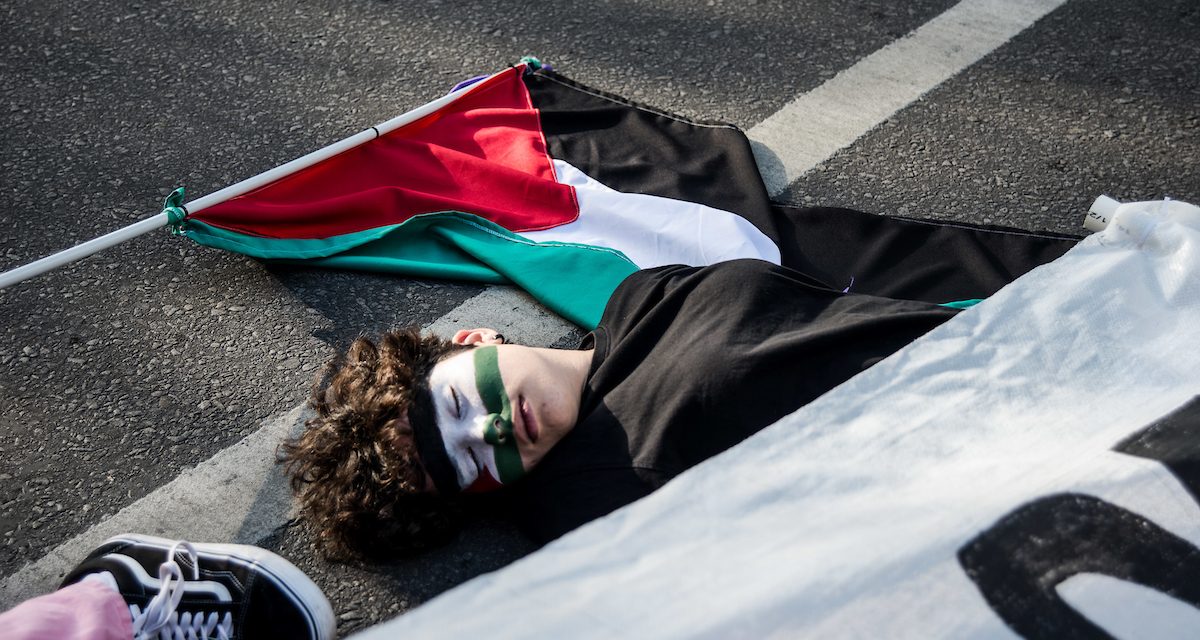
(82, 611)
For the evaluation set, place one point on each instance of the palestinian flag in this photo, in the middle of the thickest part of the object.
(529, 178)
(473, 192)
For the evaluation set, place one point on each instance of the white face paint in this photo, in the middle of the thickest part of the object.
(464, 421)
(496, 425)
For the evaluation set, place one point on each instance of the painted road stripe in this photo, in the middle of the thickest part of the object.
(810, 129)
(239, 496)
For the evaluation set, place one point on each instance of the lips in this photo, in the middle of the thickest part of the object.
(528, 421)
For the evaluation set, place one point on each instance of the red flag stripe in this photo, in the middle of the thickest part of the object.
(483, 154)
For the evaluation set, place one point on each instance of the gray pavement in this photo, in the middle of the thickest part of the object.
(122, 371)
(1100, 97)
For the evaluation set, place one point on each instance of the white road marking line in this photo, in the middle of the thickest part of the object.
(810, 129)
(510, 311)
(239, 495)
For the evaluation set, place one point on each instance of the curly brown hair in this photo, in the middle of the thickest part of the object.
(355, 470)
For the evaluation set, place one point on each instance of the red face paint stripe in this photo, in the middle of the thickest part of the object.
(484, 483)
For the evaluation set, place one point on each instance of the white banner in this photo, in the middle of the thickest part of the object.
(1031, 467)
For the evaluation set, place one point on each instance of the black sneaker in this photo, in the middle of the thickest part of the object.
(175, 588)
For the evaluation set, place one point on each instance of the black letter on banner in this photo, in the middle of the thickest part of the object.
(1018, 562)
(1173, 441)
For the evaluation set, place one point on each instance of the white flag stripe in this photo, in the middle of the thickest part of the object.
(653, 231)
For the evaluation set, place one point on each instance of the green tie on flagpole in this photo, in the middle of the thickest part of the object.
(175, 210)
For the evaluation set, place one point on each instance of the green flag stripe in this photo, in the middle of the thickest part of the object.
(962, 304)
(574, 280)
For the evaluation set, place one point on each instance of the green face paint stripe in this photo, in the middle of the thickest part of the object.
(508, 462)
(489, 383)
(499, 429)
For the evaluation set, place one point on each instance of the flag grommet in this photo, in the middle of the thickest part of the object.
(532, 63)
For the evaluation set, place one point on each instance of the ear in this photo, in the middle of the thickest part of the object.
(477, 337)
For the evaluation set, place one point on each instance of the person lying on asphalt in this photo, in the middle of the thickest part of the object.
(686, 362)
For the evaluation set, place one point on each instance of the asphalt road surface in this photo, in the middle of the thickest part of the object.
(123, 371)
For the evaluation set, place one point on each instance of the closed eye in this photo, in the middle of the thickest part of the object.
(457, 406)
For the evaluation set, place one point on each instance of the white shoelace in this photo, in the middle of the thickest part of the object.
(160, 618)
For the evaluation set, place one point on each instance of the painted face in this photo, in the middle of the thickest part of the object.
(498, 410)
(475, 418)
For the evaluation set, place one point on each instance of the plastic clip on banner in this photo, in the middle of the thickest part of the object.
(1105, 209)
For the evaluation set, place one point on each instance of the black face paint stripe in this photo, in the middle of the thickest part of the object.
(430, 446)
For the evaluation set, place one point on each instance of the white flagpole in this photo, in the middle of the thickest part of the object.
(85, 249)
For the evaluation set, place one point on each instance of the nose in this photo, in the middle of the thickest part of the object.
(497, 430)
